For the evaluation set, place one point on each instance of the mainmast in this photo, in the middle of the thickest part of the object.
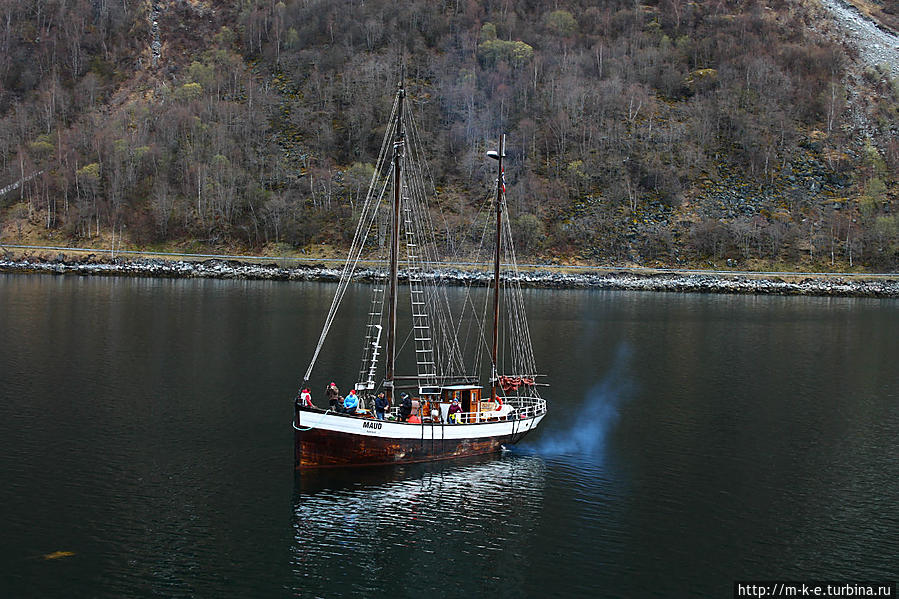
(494, 378)
(398, 147)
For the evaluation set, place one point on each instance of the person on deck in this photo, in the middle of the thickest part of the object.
(333, 394)
(381, 405)
(454, 415)
(351, 402)
(306, 399)
(405, 406)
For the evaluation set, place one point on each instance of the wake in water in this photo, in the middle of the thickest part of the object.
(594, 418)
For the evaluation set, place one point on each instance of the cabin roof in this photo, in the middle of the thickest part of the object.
(460, 387)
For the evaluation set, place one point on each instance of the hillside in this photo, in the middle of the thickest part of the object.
(660, 132)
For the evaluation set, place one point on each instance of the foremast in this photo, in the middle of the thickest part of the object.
(393, 276)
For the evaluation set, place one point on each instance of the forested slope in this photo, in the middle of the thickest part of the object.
(658, 132)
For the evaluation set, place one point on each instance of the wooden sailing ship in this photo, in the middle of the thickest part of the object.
(452, 414)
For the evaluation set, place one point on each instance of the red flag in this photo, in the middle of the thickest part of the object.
(512, 383)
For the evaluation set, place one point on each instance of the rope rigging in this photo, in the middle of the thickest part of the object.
(439, 344)
(369, 210)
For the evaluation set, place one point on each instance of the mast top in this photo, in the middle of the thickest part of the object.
(401, 95)
(494, 154)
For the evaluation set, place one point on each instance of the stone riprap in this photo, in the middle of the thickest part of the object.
(612, 279)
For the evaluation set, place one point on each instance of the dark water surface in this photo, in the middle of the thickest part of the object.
(692, 440)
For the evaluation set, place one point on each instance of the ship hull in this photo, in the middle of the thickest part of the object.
(341, 441)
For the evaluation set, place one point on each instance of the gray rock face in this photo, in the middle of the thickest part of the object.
(156, 40)
(876, 46)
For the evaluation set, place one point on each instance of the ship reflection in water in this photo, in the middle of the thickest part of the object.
(464, 523)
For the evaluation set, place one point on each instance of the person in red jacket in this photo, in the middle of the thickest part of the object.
(455, 413)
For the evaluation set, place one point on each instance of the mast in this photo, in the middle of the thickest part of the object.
(398, 146)
(499, 221)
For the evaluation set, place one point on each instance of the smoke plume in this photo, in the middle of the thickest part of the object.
(585, 431)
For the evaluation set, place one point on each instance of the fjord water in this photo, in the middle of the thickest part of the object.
(692, 440)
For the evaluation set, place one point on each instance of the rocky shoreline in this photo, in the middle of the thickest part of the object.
(834, 286)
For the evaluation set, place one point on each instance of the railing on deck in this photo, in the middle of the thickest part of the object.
(527, 407)
(521, 408)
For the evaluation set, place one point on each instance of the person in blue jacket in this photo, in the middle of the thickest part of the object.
(381, 405)
(351, 402)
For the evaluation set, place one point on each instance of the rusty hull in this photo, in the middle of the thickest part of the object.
(318, 448)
